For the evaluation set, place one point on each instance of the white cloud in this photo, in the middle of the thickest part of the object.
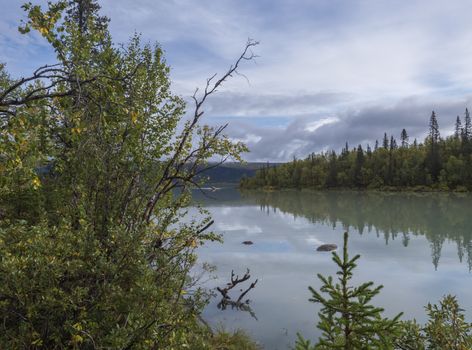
(313, 126)
(224, 227)
(250, 138)
(328, 70)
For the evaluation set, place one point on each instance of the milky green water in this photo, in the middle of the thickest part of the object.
(419, 246)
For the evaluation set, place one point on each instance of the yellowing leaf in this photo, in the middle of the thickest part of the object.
(77, 339)
(36, 183)
(134, 117)
(43, 30)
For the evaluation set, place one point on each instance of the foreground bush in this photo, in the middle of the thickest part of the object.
(96, 169)
(348, 321)
(238, 340)
(446, 329)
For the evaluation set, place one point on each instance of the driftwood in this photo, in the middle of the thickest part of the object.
(239, 303)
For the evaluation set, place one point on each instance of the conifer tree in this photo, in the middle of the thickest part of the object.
(358, 166)
(348, 321)
(331, 180)
(434, 129)
(393, 143)
(346, 149)
(467, 126)
(433, 156)
(404, 138)
(385, 141)
(84, 13)
(458, 128)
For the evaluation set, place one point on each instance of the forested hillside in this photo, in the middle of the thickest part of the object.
(436, 163)
(229, 173)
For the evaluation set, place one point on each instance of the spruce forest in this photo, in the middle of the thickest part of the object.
(437, 163)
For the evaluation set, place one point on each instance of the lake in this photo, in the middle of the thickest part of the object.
(419, 246)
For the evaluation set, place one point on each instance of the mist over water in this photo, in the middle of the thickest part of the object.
(419, 246)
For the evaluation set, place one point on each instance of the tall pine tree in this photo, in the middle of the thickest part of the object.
(468, 126)
(434, 161)
(404, 138)
(458, 128)
(393, 143)
(358, 166)
(385, 141)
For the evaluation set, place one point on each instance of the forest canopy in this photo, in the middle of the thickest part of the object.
(436, 163)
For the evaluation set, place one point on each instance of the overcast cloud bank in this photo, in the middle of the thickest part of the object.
(329, 71)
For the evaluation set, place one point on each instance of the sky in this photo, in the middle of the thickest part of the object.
(328, 71)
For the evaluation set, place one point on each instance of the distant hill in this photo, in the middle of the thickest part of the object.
(231, 172)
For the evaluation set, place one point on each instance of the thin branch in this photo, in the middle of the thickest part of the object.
(238, 304)
(210, 88)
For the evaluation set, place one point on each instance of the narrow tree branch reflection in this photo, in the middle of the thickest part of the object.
(239, 303)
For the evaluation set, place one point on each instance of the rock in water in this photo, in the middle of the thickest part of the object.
(248, 242)
(326, 247)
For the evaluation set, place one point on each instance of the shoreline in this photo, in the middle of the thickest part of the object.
(387, 189)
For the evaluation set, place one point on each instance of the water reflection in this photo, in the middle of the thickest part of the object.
(437, 216)
(287, 227)
(239, 304)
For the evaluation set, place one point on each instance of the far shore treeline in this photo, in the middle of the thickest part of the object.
(437, 163)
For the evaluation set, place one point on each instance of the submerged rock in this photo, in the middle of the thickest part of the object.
(248, 242)
(326, 247)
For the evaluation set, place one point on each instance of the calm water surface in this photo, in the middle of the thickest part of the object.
(419, 246)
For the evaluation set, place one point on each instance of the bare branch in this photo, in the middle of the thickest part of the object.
(210, 87)
(238, 304)
(48, 77)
